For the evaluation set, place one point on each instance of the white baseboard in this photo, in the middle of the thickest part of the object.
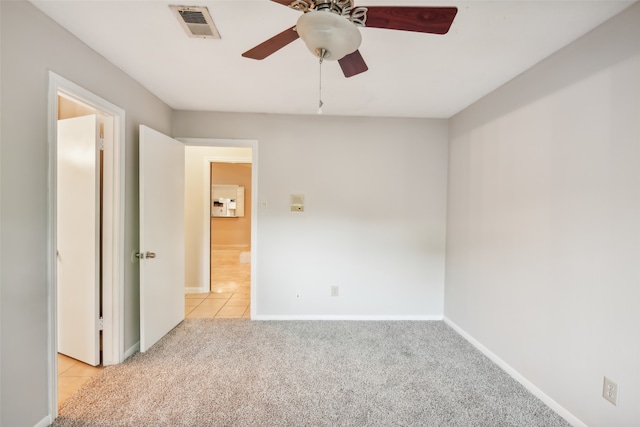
(46, 421)
(343, 317)
(195, 290)
(132, 350)
(559, 409)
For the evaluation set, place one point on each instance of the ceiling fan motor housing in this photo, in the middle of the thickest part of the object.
(326, 32)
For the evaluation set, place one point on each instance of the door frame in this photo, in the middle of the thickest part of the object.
(113, 229)
(206, 244)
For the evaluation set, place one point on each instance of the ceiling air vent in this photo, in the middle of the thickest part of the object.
(196, 21)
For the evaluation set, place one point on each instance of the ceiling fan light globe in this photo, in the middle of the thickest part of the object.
(324, 30)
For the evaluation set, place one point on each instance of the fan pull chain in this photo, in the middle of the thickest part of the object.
(320, 103)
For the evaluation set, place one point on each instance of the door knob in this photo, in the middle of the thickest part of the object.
(150, 255)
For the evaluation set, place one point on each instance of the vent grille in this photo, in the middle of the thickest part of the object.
(196, 21)
(192, 17)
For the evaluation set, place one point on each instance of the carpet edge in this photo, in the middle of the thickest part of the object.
(513, 373)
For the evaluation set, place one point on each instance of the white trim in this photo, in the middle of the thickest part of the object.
(229, 159)
(346, 317)
(253, 144)
(196, 290)
(46, 421)
(217, 142)
(52, 331)
(555, 406)
(113, 218)
(131, 351)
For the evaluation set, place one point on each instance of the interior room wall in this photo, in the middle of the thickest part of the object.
(26, 61)
(374, 216)
(543, 242)
(197, 159)
(234, 232)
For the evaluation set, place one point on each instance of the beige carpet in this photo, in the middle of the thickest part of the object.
(210, 372)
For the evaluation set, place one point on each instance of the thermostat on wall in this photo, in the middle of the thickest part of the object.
(297, 203)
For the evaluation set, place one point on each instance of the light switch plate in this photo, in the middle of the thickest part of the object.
(297, 203)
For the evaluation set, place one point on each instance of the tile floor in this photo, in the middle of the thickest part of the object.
(221, 305)
(229, 298)
(230, 287)
(72, 374)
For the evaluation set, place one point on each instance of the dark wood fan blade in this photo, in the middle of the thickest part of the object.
(283, 2)
(434, 20)
(353, 64)
(272, 45)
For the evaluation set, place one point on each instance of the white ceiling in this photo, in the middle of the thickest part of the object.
(410, 74)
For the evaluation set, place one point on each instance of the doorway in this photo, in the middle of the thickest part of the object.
(103, 214)
(220, 268)
(81, 138)
(169, 248)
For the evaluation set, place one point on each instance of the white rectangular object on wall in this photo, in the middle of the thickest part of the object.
(297, 202)
(240, 202)
(227, 201)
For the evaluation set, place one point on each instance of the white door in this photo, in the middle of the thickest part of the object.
(77, 236)
(161, 235)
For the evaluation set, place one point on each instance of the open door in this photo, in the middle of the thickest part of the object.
(161, 235)
(78, 239)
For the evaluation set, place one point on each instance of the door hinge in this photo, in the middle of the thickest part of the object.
(101, 324)
(101, 144)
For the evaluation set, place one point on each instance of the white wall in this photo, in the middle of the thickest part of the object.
(31, 45)
(374, 220)
(543, 242)
(197, 238)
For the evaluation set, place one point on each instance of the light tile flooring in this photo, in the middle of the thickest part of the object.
(230, 287)
(222, 305)
(72, 374)
(229, 298)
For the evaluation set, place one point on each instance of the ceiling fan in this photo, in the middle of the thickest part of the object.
(329, 28)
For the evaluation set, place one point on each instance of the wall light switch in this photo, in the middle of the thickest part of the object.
(297, 203)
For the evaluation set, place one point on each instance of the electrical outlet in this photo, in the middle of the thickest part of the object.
(610, 391)
(335, 291)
